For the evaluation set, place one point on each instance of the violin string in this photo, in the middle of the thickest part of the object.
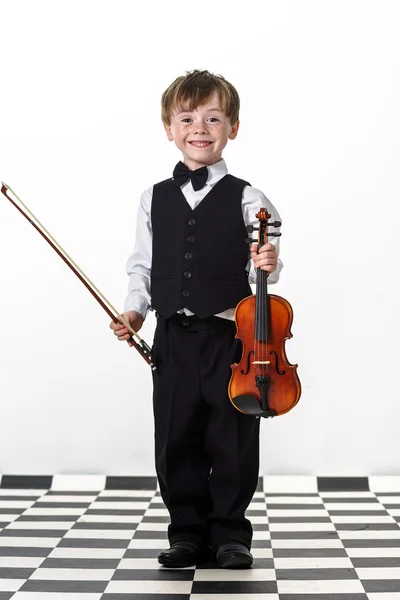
(261, 370)
(263, 320)
(265, 309)
(259, 315)
(259, 336)
(262, 341)
(262, 312)
(266, 322)
(259, 341)
(256, 323)
(62, 251)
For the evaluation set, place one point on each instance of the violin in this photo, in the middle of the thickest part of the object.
(264, 383)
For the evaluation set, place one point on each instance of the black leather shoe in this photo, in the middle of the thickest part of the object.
(234, 556)
(180, 554)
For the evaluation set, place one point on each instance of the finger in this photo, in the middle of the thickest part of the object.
(268, 254)
(121, 332)
(264, 262)
(267, 247)
(119, 328)
(269, 268)
(123, 338)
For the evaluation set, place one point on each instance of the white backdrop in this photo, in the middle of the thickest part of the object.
(81, 138)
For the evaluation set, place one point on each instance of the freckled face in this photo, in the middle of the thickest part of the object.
(201, 134)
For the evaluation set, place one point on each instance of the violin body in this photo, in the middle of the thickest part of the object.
(284, 388)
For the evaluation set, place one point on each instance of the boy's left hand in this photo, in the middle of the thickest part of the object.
(266, 258)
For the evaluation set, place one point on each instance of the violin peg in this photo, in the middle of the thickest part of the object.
(251, 228)
(274, 235)
(274, 224)
(249, 240)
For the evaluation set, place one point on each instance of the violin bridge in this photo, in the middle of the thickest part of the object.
(261, 362)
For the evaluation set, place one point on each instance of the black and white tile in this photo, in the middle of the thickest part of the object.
(97, 538)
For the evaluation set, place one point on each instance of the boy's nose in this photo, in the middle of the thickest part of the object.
(200, 127)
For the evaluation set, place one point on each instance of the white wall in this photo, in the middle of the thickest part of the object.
(81, 138)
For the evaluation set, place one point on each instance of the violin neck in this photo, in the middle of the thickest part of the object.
(261, 317)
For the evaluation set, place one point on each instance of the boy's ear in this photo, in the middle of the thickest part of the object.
(234, 130)
(169, 132)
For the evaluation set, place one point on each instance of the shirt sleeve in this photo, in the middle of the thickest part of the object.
(138, 265)
(253, 200)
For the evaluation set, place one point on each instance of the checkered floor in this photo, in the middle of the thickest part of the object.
(79, 545)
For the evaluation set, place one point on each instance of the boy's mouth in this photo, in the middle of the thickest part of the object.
(200, 144)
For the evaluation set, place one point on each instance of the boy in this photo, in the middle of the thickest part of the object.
(192, 264)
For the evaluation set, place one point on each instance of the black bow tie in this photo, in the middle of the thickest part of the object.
(198, 177)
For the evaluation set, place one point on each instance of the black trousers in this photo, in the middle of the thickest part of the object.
(206, 451)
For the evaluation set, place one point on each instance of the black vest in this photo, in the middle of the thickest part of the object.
(199, 256)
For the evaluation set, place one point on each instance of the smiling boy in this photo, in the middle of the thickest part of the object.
(192, 265)
(201, 147)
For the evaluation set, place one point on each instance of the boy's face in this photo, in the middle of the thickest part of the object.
(201, 134)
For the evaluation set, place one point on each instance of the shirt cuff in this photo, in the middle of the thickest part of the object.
(138, 303)
(272, 278)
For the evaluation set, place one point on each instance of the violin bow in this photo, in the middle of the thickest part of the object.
(140, 345)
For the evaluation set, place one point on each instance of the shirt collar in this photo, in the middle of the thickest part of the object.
(216, 171)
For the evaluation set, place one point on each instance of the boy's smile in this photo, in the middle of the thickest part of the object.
(201, 134)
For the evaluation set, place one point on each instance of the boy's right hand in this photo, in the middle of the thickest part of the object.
(134, 319)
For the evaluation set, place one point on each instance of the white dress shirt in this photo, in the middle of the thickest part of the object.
(138, 265)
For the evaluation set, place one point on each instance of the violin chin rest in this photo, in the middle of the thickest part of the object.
(250, 405)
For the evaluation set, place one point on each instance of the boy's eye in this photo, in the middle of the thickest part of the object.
(187, 119)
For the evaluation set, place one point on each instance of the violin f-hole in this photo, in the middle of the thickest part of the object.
(248, 363)
(276, 363)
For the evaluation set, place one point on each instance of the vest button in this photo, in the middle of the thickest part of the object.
(188, 255)
(187, 274)
(185, 322)
(190, 238)
(185, 293)
(191, 221)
